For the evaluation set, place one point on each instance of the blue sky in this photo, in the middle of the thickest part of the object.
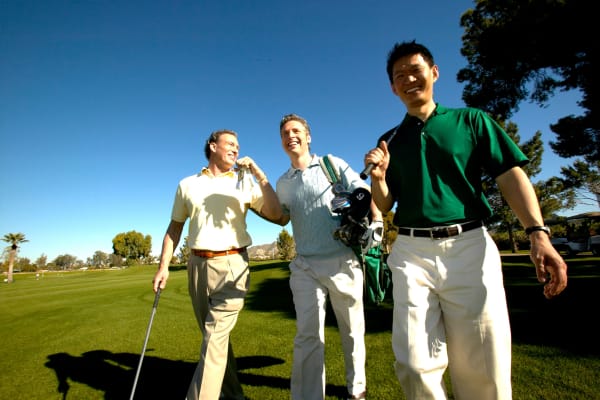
(105, 105)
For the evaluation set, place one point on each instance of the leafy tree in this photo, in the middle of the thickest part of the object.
(100, 259)
(150, 259)
(552, 48)
(41, 261)
(584, 175)
(115, 260)
(184, 252)
(15, 239)
(65, 261)
(24, 264)
(132, 245)
(286, 245)
(552, 193)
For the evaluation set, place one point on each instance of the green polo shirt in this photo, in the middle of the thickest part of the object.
(436, 167)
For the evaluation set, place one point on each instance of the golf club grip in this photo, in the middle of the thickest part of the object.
(156, 298)
(367, 171)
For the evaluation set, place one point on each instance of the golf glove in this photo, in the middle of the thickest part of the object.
(373, 235)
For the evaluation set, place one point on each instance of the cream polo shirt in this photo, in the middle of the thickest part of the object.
(216, 210)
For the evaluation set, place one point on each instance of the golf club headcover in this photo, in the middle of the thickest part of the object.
(360, 204)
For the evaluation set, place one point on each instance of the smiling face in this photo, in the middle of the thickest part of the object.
(295, 139)
(413, 79)
(224, 151)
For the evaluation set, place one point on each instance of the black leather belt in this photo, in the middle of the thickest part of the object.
(440, 232)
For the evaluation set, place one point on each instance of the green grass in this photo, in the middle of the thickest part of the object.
(79, 335)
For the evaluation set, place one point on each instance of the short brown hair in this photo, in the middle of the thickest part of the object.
(294, 117)
(214, 138)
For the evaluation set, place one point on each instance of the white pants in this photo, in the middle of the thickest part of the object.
(450, 311)
(311, 280)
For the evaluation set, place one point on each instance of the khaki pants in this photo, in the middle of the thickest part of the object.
(217, 288)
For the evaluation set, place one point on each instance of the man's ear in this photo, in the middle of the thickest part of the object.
(213, 147)
(308, 139)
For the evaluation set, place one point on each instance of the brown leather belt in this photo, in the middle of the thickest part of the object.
(212, 254)
(440, 232)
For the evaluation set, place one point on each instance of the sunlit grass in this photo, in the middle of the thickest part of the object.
(78, 335)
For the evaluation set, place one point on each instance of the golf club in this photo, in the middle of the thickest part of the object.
(137, 374)
(367, 171)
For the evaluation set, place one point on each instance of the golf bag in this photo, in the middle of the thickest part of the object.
(354, 208)
(377, 275)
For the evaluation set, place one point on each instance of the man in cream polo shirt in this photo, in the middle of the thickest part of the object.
(218, 274)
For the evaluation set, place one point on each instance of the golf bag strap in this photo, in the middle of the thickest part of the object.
(329, 169)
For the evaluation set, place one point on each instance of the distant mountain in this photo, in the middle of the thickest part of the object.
(263, 251)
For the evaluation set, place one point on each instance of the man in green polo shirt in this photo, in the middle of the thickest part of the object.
(449, 301)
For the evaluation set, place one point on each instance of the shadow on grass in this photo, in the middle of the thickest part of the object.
(564, 322)
(114, 374)
(274, 294)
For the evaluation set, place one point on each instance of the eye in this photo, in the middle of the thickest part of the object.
(399, 76)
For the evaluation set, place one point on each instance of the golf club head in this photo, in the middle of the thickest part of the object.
(341, 202)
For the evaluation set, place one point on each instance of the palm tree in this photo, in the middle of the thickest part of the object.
(14, 239)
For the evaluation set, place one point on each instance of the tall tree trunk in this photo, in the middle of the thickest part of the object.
(511, 239)
(11, 263)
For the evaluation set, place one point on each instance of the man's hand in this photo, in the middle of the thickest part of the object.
(373, 235)
(247, 162)
(551, 269)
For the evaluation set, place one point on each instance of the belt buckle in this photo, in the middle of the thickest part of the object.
(437, 232)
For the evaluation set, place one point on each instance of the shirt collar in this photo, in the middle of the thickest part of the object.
(207, 172)
(438, 110)
(314, 161)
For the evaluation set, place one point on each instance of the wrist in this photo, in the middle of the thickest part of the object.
(537, 228)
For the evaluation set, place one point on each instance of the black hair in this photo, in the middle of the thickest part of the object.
(406, 49)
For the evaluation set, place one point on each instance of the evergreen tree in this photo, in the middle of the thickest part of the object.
(286, 245)
(552, 48)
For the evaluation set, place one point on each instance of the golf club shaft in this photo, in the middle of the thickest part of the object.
(137, 374)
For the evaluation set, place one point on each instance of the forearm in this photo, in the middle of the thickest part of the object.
(520, 196)
(381, 195)
(376, 214)
(271, 209)
(170, 242)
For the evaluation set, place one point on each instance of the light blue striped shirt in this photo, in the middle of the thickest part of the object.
(306, 197)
